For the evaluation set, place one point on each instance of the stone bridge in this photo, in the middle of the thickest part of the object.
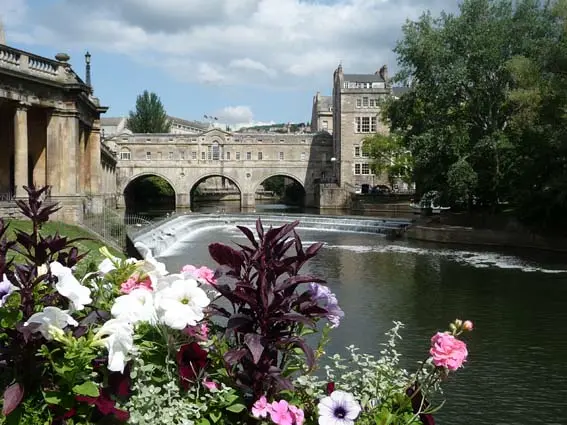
(245, 159)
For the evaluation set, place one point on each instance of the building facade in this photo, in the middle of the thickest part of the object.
(49, 131)
(322, 114)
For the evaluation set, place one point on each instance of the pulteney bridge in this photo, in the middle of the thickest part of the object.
(245, 159)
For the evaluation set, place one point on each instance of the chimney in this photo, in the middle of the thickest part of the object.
(88, 70)
(384, 73)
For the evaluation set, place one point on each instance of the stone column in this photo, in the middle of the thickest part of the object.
(182, 200)
(81, 175)
(62, 146)
(95, 163)
(248, 201)
(21, 150)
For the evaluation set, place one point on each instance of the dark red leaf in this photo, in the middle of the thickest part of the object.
(233, 356)
(248, 233)
(259, 228)
(225, 255)
(294, 318)
(313, 249)
(13, 396)
(254, 344)
(300, 343)
(296, 280)
(237, 320)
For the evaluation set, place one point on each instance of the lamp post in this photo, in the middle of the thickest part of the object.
(88, 70)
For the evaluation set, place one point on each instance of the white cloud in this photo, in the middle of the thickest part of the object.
(237, 117)
(276, 42)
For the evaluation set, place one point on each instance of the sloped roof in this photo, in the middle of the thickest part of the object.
(363, 78)
(111, 121)
(325, 102)
(398, 91)
(195, 124)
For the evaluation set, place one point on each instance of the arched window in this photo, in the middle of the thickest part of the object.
(125, 154)
(215, 149)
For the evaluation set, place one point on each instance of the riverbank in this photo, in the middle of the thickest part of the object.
(443, 230)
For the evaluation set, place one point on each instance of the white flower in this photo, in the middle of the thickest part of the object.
(68, 286)
(6, 288)
(118, 337)
(340, 408)
(137, 306)
(181, 304)
(111, 262)
(51, 319)
(106, 266)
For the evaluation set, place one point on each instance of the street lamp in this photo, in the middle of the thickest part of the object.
(88, 69)
(334, 161)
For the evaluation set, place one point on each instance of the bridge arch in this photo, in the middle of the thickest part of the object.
(291, 193)
(207, 197)
(150, 193)
(269, 175)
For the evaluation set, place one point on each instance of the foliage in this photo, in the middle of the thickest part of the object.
(275, 184)
(131, 342)
(389, 157)
(149, 116)
(483, 118)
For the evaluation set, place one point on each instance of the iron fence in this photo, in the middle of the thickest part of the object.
(113, 227)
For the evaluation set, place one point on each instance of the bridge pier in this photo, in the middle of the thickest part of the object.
(183, 200)
(248, 201)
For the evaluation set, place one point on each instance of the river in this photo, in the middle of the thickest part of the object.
(517, 367)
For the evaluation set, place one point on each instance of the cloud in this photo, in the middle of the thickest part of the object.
(237, 117)
(285, 43)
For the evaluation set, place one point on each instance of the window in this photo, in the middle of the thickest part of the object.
(364, 154)
(365, 102)
(148, 156)
(303, 156)
(203, 155)
(237, 156)
(215, 150)
(259, 156)
(170, 155)
(358, 102)
(248, 155)
(325, 125)
(356, 168)
(365, 124)
(228, 156)
(281, 156)
(125, 155)
(365, 169)
(194, 155)
(372, 103)
(182, 155)
(281, 140)
(357, 151)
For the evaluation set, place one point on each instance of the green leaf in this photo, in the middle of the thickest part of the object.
(215, 416)
(203, 421)
(88, 388)
(236, 408)
(52, 397)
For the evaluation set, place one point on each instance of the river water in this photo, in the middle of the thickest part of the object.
(517, 368)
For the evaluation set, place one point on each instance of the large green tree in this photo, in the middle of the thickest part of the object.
(149, 116)
(389, 157)
(481, 112)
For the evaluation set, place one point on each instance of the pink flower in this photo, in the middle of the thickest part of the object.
(468, 325)
(280, 413)
(210, 385)
(297, 415)
(204, 330)
(133, 283)
(203, 274)
(447, 351)
(261, 408)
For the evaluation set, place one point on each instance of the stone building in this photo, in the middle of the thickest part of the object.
(322, 114)
(112, 127)
(50, 132)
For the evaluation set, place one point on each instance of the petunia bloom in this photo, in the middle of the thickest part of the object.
(191, 360)
(50, 320)
(137, 306)
(448, 351)
(280, 414)
(202, 274)
(6, 288)
(181, 304)
(118, 338)
(134, 282)
(68, 286)
(322, 294)
(340, 408)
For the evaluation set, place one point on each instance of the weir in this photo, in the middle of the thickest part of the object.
(164, 236)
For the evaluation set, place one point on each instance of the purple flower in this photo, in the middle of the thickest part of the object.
(321, 293)
(6, 288)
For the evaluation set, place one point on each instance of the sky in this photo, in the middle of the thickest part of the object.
(244, 61)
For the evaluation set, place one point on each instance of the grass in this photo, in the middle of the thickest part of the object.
(90, 245)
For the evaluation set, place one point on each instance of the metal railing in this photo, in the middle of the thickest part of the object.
(113, 227)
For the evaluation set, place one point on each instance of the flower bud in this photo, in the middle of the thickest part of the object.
(468, 325)
(452, 327)
(458, 323)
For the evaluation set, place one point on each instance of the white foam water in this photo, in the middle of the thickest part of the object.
(472, 258)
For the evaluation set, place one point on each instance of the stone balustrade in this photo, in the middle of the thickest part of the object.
(31, 64)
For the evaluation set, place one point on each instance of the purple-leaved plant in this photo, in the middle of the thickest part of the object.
(269, 303)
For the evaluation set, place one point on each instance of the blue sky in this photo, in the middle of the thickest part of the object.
(244, 61)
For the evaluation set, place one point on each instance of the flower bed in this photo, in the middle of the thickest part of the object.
(134, 343)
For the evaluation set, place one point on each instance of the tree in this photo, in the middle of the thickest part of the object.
(456, 118)
(150, 115)
(389, 156)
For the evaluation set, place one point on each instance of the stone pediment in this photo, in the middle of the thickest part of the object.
(216, 132)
